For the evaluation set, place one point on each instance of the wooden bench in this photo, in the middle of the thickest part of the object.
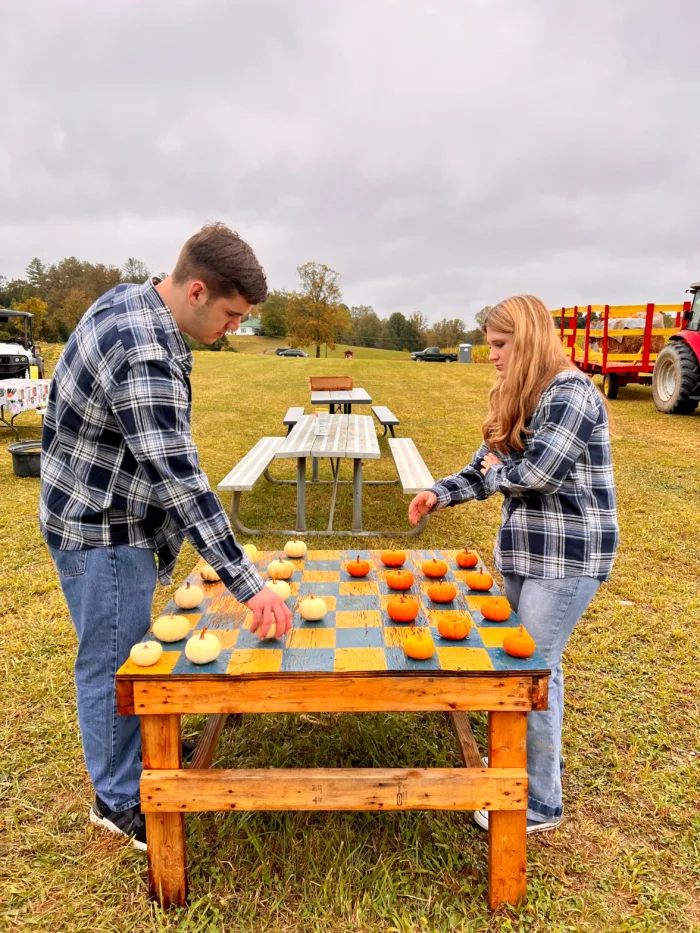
(247, 472)
(386, 418)
(292, 416)
(414, 475)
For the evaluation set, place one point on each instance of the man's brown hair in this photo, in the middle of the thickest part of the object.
(224, 262)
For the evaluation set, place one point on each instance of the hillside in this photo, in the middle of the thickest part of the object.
(267, 345)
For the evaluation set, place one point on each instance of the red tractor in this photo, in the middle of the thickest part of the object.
(676, 378)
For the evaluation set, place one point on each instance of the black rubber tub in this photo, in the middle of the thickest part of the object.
(26, 458)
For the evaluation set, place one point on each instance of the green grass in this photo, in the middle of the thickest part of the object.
(627, 857)
(267, 346)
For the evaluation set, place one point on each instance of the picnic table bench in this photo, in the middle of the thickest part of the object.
(292, 416)
(386, 418)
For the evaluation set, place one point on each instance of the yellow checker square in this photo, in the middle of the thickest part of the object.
(464, 659)
(227, 636)
(475, 602)
(330, 602)
(358, 618)
(225, 604)
(255, 661)
(395, 636)
(164, 665)
(493, 637)
(294, 587)
(311, 638)
(320, 576)
(359, 588)
(348, 660)
(246, 622)
(323, 555)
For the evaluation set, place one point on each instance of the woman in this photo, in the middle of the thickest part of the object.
(547, 450)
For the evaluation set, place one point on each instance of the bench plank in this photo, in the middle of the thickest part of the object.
(384, 416)
(248, 471)
(293, 414)
(413, 473)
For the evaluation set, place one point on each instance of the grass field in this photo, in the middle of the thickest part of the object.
(627, 857)
(267, 345)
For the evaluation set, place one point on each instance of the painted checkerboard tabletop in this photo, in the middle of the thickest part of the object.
(355, 635)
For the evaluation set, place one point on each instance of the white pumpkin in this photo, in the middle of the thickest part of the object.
(295, 548)
(272, 631)
(171, 628)
(146, 653)
(283, 589)
(280, 569)
(312, 608)
(209, 574)
(188, 596)
(202, 647)
(252, 552)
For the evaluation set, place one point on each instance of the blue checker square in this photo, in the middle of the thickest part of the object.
(318, 589)
(361, 637)
(328, 621)
(218, 666)
(323, 565)
(386, 590)
(502, 661)
(308, 659)
(357, 603)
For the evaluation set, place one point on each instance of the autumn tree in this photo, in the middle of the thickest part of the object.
(36, 307)
(482, 315)
(316, 314)
(366, 326)
(134, 270)
(448, 333)
(273, 313)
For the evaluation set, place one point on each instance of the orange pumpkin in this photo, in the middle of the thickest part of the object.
(467, 559)
(495, 608)
(453, 626)
(393, 558)
(400, 579)
(443, 592)
(420, 645)
(519, 644)
(434, 568)
(357, 567)
(479, 580)
(401, 609)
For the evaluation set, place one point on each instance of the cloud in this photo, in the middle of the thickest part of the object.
(439, 155)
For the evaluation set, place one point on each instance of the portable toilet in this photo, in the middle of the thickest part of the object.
(465, 353)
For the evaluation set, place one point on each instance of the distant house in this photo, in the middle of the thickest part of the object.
(250, 328)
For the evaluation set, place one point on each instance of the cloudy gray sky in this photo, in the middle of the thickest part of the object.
(440, 155)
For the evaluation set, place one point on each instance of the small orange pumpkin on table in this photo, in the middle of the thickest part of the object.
(519, 644)
(402, 609)
(419, 645)
(442, 592)
(467, 559)
(393, 558)
(479, 580)
(453, 626)
(400, 579)
(434, 568)
(495, 608)
(357, 567)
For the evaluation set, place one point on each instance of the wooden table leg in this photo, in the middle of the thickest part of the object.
(507, 829)
(301, 494)
(165, 832)
(357, 494)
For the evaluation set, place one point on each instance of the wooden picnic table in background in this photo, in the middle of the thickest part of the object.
(343, 398)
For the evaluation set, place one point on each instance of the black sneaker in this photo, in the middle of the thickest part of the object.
(130, 823)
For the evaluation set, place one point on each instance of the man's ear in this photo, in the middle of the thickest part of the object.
(197, 293)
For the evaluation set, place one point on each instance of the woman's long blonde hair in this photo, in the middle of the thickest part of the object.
(536, 358)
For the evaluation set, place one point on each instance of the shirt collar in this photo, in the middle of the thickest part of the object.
(176, 341)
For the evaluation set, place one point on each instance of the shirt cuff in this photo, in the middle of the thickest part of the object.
(244, 583)
(493, 477)
(444, 499)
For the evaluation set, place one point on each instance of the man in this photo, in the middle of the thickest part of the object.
(121, 484)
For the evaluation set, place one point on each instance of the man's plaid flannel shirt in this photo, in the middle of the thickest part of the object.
(118, 464)
(559, 514)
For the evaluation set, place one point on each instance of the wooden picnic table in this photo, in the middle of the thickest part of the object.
(349, 437)
(350, 661)
(343, 398)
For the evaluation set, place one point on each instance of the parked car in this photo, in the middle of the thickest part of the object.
(293, 353)
(280, 351)
(433, 355)
(17, 348)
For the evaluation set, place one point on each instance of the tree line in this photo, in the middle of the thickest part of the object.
(58, 294)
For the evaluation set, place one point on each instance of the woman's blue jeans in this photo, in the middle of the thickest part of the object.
(549, 610)
(109, 591)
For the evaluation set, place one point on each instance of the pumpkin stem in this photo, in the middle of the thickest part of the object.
(187, 585)
(203, 631)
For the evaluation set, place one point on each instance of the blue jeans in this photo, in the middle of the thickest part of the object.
(549, 610)
(109, 591)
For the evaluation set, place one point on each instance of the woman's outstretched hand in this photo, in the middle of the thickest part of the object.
(420, 506)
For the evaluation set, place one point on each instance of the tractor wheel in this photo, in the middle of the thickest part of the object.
(611, 383)
(676, 379)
